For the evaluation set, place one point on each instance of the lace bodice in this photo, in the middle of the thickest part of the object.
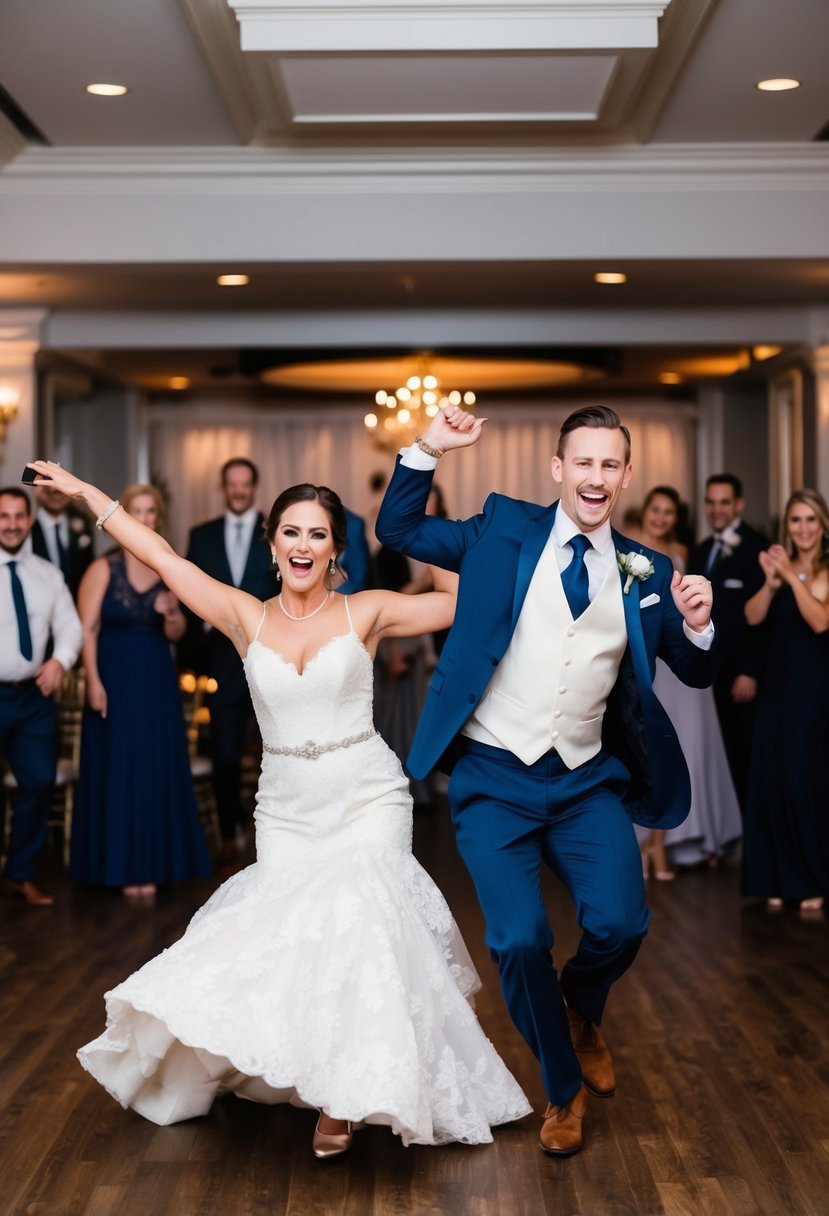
(331, 700)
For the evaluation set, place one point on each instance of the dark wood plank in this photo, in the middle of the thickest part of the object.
(719, 1032)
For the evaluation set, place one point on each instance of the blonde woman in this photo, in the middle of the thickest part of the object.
(135, 821)
(786, 852)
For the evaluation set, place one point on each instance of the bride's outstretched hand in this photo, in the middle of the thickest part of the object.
(51, 473)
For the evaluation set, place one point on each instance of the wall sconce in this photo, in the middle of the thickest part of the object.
(9, 399)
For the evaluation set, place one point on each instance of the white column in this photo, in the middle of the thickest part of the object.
(20, 339)
(820, 364)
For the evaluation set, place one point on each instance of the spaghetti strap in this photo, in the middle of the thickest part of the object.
(348, 614)
(261, 621)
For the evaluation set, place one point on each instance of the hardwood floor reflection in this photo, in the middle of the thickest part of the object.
(719, 1034)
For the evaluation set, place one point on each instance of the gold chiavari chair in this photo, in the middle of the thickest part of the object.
(194, 691)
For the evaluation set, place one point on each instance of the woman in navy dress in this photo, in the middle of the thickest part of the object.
(786, 844)
(135, 820)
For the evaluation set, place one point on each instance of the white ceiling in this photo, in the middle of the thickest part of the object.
(264, 86)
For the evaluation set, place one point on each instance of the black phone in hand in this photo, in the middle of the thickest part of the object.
(29, 476)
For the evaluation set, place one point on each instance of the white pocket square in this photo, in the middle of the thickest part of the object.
(648, 600)
(734, 584)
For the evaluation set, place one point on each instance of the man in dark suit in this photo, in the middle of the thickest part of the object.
(62, 535)
(559, 618)
(231, 548)
(729, 557)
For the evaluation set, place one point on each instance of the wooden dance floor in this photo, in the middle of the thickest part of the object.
(719, 1034)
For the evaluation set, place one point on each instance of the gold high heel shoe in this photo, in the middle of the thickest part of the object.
(325, 1144)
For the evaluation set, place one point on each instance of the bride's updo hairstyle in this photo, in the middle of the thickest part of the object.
(305, 492)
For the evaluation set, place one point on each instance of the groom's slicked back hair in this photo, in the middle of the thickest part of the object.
(594, 416)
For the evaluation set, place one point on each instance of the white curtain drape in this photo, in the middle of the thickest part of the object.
(330, 446)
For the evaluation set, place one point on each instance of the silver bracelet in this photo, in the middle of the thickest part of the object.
(428, 449)
(104, 516)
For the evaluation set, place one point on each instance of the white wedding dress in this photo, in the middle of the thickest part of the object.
(329, 973)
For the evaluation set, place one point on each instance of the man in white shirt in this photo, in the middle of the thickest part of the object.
(35, 605)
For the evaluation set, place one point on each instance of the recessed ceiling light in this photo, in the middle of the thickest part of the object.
(670, 377)
(233, 280)
(778, 84)
(179, 382)
(610, 276)
(107, 90)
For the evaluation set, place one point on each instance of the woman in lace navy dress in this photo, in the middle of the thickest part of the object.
(786, 843)
(135, 821)
(330, 973)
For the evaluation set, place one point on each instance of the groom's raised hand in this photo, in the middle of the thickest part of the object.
(453, 427)
(693, 597)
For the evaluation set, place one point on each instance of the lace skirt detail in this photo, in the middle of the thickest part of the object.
(329, 974)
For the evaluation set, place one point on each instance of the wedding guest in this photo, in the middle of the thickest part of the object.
(786, 848)
(542, 701)
(232, 549)
(34, 604)
(713, 825)
(329, 973)
(135, 822)
(62, 534)
(728, 557)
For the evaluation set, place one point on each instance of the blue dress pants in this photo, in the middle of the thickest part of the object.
(28, 740)
(508, 816)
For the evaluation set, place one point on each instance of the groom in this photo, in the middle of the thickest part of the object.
(542, 699)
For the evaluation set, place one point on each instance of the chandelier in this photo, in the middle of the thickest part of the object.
(400, 414)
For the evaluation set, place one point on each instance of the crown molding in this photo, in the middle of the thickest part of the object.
(242, 171)
(427, 25)
(681, 27)
(216, 32)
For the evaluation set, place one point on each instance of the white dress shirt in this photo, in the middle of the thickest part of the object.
(47, 526)
(49, 608)
(238, 538)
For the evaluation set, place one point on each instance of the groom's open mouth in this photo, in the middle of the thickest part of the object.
(593, 499)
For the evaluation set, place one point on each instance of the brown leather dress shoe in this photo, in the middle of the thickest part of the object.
(27, 891)
(593, 1054)
(562, 1132)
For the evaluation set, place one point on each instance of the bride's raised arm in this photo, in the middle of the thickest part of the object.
(233, 612)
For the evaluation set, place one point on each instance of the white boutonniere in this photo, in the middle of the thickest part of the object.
(729, 540)
(84, 541)
(634, 565)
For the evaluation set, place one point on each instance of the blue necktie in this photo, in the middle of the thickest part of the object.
(574, 579)
(23, 630)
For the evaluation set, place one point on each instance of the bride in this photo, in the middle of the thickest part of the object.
(330, 973)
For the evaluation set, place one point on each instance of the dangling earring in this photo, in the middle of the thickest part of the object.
(278, 571)
(332, 566)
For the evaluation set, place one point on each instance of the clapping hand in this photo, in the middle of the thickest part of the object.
(775, 564)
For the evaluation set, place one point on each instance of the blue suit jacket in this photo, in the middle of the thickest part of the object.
(496, 553)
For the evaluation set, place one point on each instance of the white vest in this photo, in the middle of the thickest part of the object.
(551, 687)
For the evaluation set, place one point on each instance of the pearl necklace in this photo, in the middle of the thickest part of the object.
(308, 616)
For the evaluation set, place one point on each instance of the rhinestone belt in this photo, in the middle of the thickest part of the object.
(310, 750)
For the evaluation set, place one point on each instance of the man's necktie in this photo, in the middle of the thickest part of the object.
(23, 631)
(574, 579)
(714, 555)
(61, 549)
(238, 563)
